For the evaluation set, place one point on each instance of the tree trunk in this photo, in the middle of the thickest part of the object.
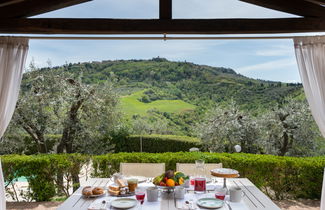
(37, 136)
(285, 146)
(75, 181)
(43, 147)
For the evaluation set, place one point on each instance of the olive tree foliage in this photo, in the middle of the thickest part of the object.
(225, 127)
(290, 130)
(287, 129)
(152, 123)
(57, 102)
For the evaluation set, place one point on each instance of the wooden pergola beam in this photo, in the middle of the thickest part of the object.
(156, 26)
(296, 7)
(319, 2)
(28, 8)
(165, 9)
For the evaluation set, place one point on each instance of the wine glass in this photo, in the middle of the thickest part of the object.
(220, 193)
(140, 195)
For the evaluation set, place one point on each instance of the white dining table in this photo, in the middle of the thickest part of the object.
(253, 198)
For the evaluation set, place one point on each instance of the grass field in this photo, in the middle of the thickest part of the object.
(131, 105)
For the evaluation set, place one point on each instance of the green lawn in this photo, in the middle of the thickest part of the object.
(131, 105)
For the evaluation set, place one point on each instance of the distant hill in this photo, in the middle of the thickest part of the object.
(177, 87)
(195, 84)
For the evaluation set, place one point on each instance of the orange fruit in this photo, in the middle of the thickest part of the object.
(170, 183)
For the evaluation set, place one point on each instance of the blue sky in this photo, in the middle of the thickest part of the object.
(263, 59)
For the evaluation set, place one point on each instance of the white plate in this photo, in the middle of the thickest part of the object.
(140, 179)
(210, 203)
(124, 203)
(225, 171)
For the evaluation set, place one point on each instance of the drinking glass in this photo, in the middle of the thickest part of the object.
(200, 168)
(140, 195)
(132, 184)
(220, 193)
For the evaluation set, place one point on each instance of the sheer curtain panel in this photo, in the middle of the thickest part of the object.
(13, 53)
(310, 55)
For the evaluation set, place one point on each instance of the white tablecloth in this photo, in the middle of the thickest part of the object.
(169, 203)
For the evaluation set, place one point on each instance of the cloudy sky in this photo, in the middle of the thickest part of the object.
(263, 59)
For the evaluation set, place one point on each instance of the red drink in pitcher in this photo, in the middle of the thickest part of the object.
(200, 185)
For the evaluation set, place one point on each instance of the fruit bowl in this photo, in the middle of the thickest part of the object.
(169, 180)
(166, 189)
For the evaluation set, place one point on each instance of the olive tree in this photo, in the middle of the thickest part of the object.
(225, 127)
(290, 129)
(58, 102)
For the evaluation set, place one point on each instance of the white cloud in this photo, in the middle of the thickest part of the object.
(268, 66)
(60, 52)
(279, 50)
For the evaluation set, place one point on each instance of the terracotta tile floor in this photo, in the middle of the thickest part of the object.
(33, 205)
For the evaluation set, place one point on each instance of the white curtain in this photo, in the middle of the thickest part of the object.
(310, 54)
(13, 52)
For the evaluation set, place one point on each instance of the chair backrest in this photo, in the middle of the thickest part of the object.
(190, 169)
(142, 169)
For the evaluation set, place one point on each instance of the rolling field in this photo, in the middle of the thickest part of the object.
(131, 105)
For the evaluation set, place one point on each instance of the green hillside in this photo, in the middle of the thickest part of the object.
(179, 93)
(192, 83)
(132, 106)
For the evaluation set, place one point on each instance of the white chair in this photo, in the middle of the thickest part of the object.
(142, 169)
(190, 169)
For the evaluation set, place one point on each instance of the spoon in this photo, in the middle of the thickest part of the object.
(103, 206)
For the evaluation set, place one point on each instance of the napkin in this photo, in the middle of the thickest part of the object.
(98, 205)
(192, 198)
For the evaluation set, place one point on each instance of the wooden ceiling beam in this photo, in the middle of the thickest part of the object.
(165, 9)
(156, 26)
(9, 2)
(28, 8)
(318, 2)
(296, 7)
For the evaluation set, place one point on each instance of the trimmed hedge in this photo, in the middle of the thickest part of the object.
(156, 143)
(41, 172)
(279, 177)
(151, 143)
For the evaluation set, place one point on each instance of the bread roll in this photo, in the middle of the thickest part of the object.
(98, 191)
(86, 191)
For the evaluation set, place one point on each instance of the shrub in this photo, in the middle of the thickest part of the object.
(41, 172)
(279, 177)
